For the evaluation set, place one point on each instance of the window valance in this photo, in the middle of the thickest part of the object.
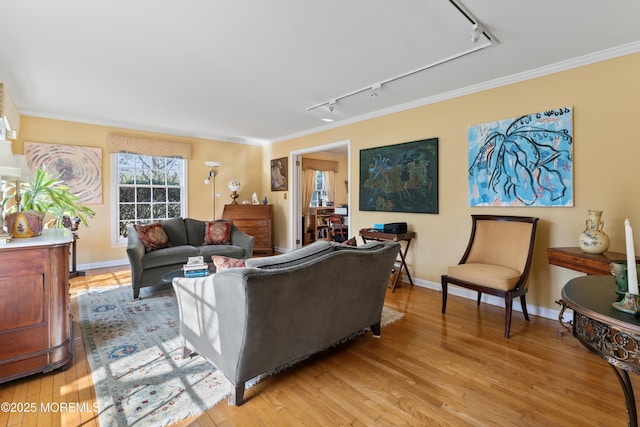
(148, 146)
(319, 165)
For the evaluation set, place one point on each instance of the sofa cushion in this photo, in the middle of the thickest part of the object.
(217, 232)
(195, 231)
(207, 251)
(294, 257)
(152, 236)
(492, 276)
(225, 262)
(174, 255)
(176, 231)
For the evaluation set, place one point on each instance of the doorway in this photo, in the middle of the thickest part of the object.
(296, 228)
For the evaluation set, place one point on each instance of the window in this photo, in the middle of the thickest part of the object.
(319, 190)
(148, 189)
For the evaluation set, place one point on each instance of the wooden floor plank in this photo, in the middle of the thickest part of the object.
(426, 369)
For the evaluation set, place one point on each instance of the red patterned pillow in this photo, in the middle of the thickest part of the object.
(224, 262)
(152, 236)
(217, 232)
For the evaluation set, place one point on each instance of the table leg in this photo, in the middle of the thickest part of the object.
(629, 398)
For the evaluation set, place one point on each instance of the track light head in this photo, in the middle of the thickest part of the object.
(374, 89)
(476, 32)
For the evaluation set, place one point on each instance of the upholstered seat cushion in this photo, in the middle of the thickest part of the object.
(492, 276)
(207, 251)
(169, 256)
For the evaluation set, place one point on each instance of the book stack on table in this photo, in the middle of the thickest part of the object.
(195, 268)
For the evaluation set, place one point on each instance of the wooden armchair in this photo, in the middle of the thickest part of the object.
(497, 261)
(337, 230)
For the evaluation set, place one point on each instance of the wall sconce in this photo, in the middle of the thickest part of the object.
(211, 179)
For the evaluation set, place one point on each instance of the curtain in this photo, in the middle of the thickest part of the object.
(330, 183)
(308, 181)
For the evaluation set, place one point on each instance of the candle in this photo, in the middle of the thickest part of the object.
(632, 274)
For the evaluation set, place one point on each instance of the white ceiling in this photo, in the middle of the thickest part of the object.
(248, 70)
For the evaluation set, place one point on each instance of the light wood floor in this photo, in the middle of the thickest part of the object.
(427, 369)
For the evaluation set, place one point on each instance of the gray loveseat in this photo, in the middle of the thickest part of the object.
(251, 320)
(187, 240)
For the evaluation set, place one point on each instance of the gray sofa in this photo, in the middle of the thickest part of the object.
(187, 238)
(252, 320)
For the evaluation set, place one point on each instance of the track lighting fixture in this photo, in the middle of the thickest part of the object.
(480, 37)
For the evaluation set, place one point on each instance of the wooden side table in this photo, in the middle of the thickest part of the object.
(611, 334)
(368, 234)
(575, 259)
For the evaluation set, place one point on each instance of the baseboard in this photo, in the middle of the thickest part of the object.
(105, 264)
(534, 310)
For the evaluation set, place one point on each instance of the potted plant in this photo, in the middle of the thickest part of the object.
(43, 195)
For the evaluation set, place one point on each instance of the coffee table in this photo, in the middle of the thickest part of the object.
(168, 277)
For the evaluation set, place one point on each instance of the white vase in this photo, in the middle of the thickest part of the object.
(593, 240)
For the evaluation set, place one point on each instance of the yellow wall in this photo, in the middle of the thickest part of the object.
(606, 148)
(95, 244)
(606, 151)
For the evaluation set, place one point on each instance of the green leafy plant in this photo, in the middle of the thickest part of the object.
(46, 193)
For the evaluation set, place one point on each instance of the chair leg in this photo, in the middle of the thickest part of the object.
(444, 294)
(508, 305)
(479, 297)
(523, 301)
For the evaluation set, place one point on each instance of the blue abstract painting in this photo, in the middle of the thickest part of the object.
(522, 161)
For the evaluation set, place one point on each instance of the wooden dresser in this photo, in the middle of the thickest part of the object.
(35, 322)
(255, 220)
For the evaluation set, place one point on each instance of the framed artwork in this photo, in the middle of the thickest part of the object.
(279, 174)
(522, 161)
(78, 167)
(400, 178)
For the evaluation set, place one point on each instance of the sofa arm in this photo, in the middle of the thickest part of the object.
(135, 252)
(213, 319)
(242, 239)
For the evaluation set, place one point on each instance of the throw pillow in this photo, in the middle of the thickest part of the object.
(152, 236)
(224, 262)
(351, 242)
(217, 232)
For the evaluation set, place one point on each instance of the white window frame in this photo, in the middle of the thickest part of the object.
(118, 240)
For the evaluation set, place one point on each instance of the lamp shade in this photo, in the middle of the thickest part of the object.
(234, 185)
(26, 175)
(9, 168)
(9, 113)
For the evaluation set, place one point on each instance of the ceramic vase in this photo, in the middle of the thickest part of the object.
(593, 240)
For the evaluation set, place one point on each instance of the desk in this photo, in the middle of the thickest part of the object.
(611, 334)
(367, 234)
(574, 259)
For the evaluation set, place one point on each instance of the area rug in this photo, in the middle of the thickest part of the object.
(134, 351)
